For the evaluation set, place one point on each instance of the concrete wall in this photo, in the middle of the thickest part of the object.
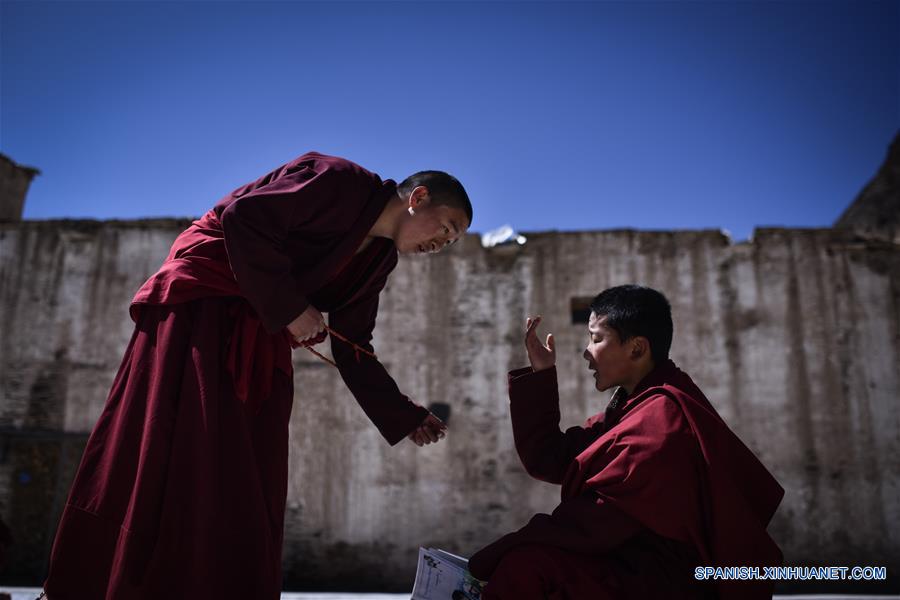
(14, 182)
(794, 338)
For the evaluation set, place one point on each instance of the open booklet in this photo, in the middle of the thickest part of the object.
(444, 576)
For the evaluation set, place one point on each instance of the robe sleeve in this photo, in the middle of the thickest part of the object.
(255, 225)
(545, 451)
(583, 524)
(393, 413)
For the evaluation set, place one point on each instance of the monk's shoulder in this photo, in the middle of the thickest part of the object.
(334, 186)
(335, 168)
(666, 413)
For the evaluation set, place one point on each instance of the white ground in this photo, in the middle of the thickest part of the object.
(32, 593)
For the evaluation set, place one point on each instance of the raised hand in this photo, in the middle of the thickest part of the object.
(431, 430)
(541, 356)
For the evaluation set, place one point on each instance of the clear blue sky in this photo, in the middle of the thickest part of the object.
(554, 115)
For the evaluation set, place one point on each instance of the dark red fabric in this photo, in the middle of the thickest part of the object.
(351, 300)
(722, 508)
(275, 240)
(181, 490)
(540, 571)
(545, 572)
(665, 484)
(6, 540)
(283, 242)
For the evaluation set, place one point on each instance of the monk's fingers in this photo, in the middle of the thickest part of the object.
(430, 435)
(436, 430)
(533, 345)
(531, 339)
(434, 422)
(429, 432)
(423, 435)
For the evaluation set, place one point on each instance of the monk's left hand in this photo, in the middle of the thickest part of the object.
(430, 431)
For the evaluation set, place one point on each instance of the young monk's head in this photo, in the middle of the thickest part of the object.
(630, 331)
(436, 212)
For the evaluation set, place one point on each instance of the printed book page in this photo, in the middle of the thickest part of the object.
(444, 576)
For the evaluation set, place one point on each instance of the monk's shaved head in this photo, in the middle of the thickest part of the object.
(444, 190)
(637, 311)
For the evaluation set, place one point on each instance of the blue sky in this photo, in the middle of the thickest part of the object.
(554, 115)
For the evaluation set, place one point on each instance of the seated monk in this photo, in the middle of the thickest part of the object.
(651, 488)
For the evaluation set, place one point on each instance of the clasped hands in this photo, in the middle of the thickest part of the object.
(308, 326)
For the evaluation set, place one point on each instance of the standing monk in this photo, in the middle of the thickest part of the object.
(181, 490)
(651, 488)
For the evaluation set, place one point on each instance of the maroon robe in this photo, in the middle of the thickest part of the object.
(650, 489)
(181, 491)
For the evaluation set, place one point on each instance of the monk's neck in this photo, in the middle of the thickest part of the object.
(637, 377)
(386, 224)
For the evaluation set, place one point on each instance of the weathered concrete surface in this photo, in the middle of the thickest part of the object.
(794, 337)
(14, 183)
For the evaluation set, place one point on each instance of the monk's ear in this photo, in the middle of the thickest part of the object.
(640, 347)
(419, 197)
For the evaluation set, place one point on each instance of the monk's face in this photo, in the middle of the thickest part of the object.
(429, 228)
(609, 359)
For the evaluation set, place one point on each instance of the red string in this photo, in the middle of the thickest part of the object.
(325, 358)
(357, 349)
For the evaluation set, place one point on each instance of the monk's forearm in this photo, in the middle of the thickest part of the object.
(393, 413)
(544, 450)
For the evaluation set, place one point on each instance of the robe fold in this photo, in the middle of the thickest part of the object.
(182, 487)
(650, 489)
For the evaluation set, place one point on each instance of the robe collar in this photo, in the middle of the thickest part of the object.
(622, 402)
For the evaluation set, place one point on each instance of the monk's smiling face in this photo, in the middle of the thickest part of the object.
(613, 361)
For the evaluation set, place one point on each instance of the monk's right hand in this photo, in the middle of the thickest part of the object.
(541, 356)
(430, 431)
(308, 325)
